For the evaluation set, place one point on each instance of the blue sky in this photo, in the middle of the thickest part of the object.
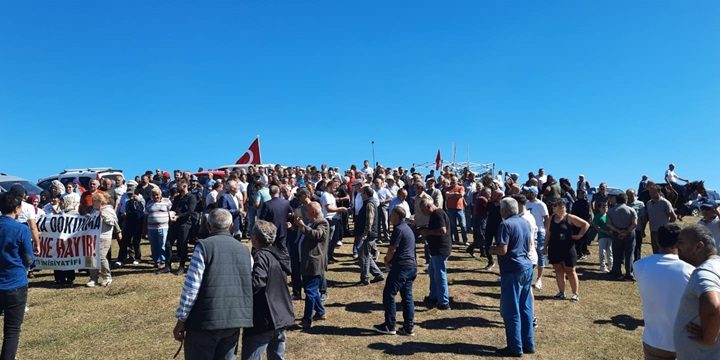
(611, 89)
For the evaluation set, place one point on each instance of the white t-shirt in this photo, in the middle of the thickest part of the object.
(27, 212)
(671, 176)
(242, 186)
(532, 249)
(211, 198)
(326, 199)
(539, 210)
(368, 171)
(660, 278)
(705, 278)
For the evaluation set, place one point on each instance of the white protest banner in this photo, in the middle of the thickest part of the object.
(68, 242)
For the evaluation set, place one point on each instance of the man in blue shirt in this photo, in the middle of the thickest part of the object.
(16, 255)
(516, 273)
(400, 258)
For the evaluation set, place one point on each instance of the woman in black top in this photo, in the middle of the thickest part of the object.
(560, 247)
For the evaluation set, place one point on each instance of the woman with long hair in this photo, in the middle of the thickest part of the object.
(560, 247)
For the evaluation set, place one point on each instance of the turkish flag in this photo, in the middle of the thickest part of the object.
(438, 161)
(252, 155)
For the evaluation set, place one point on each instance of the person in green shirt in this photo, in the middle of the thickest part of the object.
(604, 237)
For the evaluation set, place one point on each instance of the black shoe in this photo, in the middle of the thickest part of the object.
(505, 352)
(377, 279)
(163, 270)
(443, 307)
(470, 251)
(180, 271)
(429, 302)
(405, 332)
(297, 297)
(528, 351)
(332, 261)
(363, 283)
(384, 329)
(629, 278)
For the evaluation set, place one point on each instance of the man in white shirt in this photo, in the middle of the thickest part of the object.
(332, 213)
(367, 170)
(390, 181)
(661, 277)
(710, 219)
(672, 178)
(400, 201)
(539, 211)
(212, 196)
(385, 197)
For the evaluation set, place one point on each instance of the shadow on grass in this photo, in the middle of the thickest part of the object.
(340, 284)
(474, 282)
(625, 322)
(416, 347)
(458, 323)
(585, 274)
(338, 331)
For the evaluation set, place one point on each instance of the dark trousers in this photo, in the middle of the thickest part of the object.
(479, 233)
(335, 229)
(295, 273)
(313, 303)
(489, 236)
(177, 233)
(638, 244)
(623, 252)
(130, 243)
(211, 344)
(12, 303)
(399, 280)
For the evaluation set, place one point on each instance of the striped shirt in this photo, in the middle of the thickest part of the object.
(158, 214)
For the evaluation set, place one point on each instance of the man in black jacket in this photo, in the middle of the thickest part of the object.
(272, 307)
(180, 224)
(278, 211)
(313, 242)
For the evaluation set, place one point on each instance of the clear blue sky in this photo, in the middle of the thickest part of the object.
(611, 89)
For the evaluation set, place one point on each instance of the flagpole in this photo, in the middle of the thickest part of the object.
(372, 143)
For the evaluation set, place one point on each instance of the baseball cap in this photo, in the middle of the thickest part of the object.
(530, 189)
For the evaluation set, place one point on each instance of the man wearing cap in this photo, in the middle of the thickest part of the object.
(434, 193)
(710, 218)
(390, 181)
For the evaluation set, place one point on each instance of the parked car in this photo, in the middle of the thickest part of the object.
(694, 205)
(203, 175)
(84, 175)
(611, 191)
(7, 181)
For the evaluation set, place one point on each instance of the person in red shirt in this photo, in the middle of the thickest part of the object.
(480, 214)
(86, 202)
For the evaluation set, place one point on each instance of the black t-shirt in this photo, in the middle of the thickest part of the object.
(403, 240)
(439, 245)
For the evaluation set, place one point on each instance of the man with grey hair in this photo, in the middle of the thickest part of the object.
(230, 202)
(439, 246)
(273, 310)
(697, 324)
(367, 230)
(516, 274)
(278, 211)
(217, 295)
(313, 244)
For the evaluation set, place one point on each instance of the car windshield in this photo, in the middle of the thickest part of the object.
(112, 177)
(31, 189)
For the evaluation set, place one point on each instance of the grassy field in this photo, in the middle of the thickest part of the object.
(134, 317)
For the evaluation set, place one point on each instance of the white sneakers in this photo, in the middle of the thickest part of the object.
(104, 283)
(538, 284)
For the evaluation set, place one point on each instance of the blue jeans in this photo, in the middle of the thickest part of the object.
(253, 347)
(399, 280)
(623, 250)
(516, 309)
(540, 248)
(157, 239)
(456, 215)
(313, 303)
(438, 279)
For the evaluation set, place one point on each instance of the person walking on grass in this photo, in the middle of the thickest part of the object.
(16, 256)
(400, 258)
(217, 295)
(516, 273)
(437, 235)
(561, 247)
(313, 243)
(272, 307)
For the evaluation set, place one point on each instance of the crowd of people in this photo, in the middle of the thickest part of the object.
(294, 219)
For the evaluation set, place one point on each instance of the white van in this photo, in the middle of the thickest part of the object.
(84, 175)
(7, 181)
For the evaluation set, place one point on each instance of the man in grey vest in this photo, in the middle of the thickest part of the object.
(366, 232)
(217, 296)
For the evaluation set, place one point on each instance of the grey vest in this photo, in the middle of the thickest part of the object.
(225, 299)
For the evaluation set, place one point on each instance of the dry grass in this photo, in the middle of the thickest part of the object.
(133, 318)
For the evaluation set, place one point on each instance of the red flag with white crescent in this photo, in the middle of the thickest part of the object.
(252, 155)
(438, 161)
